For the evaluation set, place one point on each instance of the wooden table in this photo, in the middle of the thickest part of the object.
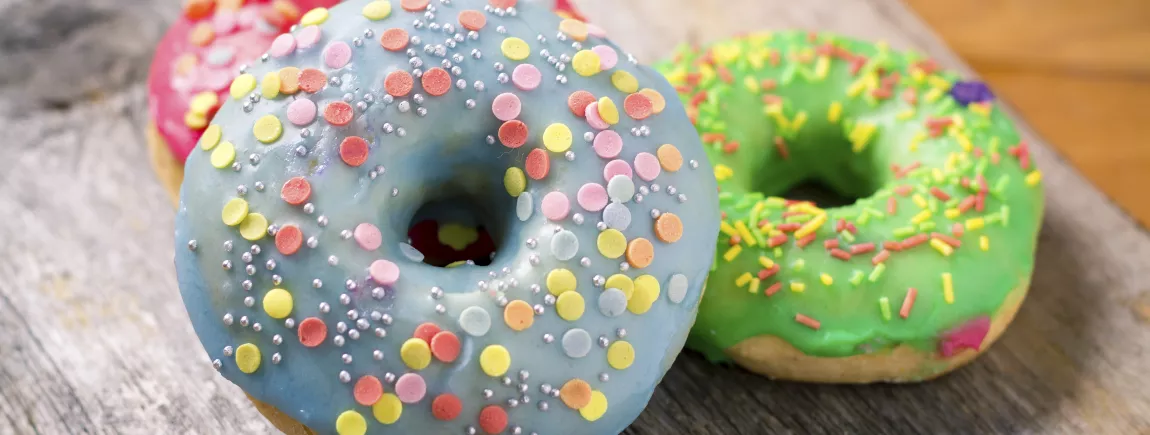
(94, 339)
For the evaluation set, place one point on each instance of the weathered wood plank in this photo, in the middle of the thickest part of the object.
(94, 339)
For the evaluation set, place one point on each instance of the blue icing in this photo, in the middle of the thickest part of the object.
(443, 154)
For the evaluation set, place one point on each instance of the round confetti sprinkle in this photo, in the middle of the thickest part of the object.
(367, 236)
(595, 408)
(524, 207)
(198, 9)
(557, 138)
(611, 243)
(289, 239)
(398, 83)
(350, 423)
(570, 306)
(493, 419)
(312, 80)
(592, 197)
(513, 134)
(537, 164)
(506, 106)
(620, 188)
(617, 216)
(337, 55)
(515, 181)
(616, 168)
(211, 137)
(526, 77)
(270, 85)
(612, 302)
(607, 144)
(308, 36)
(555, 206)
(289, 80)
(242, 85)
(377, 10)
(301, 112)
(338, 113)
(576, 343)
(640, 253)
(475, 321)
(353, 150)
(296, 191)
(248, 358)
(608, 111)
(425, 331)
(586, 63)
(576, 29)
(669, 158)
(393, 39)
(314, 17)
(415, 353)
(624, 82)
(668, 227)
(647, 166)
(202, 35)
(388, 409)
(591, 113)
(596, 31)
(515, 48)
(578, 102)
(502, 4)
(414, 5)
(561, 281)
(277, 303)
(204, 102)
(254, 227)
(223, 155)
(576, 394)
(368, 389)
(312, 332)
(608, 57)
(234, 212)
(410, 388)
(436, 81)
(621, 282)
(637, 106)
(472, 19)
(677, 288)
(564, 245)
(268, 129)
(446, 407)
(384, 272)
(646, 293)
(658, 103)
(494, 360)
(410, 252)
(518, 315)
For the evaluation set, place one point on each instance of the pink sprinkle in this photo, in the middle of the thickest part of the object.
(592, 197)
(608, 144)
(308, 36)
(384, 272)
(596, 31)
(607, 56)
(555, 206)
(616, 167)
(368, 236)
(224, 22)
(410, 388)
(593, 118)
(647, 166)
(526, 77)
(337, 55)
(891, 205)
(301, 112)
(282, 46)
(506, 106)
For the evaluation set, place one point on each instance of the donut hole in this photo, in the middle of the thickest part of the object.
(823, 169)
(455, 230)
(817, 192)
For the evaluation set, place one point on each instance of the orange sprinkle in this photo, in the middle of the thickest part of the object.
(289, 80)
(538, 164)
(185, 64)
(414, 5)
(513, 133)
(426, 331)
(311, 80)
(445, 346)
(353, 150)
(668, 227)
(436, 81)
(640, 253)
(518, 315)
(446, 407)
(231, 5)
(725, 75)
(774, 288)
(338, 113)
(202, 35)
(669, 157)
(312, 332)
(781, 146)
(472, 19)
(807, 321)
(880, 257)
(579, 100)
(367, 390)
(908, 302)
(289, 239)
(296, 191)
(637, 106)
(199, 9)
(287, 10)
(576, 394)
(398, 83)
(393, 39)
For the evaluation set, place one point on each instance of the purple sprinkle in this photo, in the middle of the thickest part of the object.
(971, 92)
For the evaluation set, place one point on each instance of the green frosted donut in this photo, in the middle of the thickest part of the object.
(913, 279)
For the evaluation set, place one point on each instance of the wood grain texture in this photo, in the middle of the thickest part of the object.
(95, 339)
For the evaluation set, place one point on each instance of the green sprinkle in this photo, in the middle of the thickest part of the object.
(903, 232)
(775, 202)
(863, 218)
(875, 213)
(789, 73)
(778, 252)
(952, 202)
(714, 263)
(846, 235)
(994, 218)
(932, 204)
(926, 226)
(884, 305)
(797, 218)
(1005, 215)
(798, 265)
(744, 203)
(726, 196)
(1000, 186)
(877, 272)
(857, 277)
(946, 107)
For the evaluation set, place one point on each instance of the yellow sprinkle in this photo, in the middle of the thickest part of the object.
(195, 120)
(270, 86)
(223, 156)
(646, 293)
(611, 243)
(676, 77)
(514, 181)
(933, 95)
(936, 174)
(981, 109)
(743, 279)
(918, 75)
(268, 129)
(377, 10)
(921, 217)
(560, 281)
(242, 85)
(938, 82)
(975, 223)
(620, 355)
(314, 17)
(754, 289)
(861, 136)
(941, 247)
(767, 263)
(1033, 177)
(951, 213)
(254, 227)
(812, 226)
(947, 288)
(415, 353)
(621, 282)
(570, 306)
(745, 233)
(919, 201)
(835, 112)
(248, 358)
(211, 137)
(964, 142)
(608, 111)
(822, 66)
(905, 114)
(495, 360)
(723, 172)
(732, 253)
(515, 48)
(798, 287)
(595, 408)
(800, 119)
(388, 409)
(557, 138)
(235, 211)
(727, 229)
(984, 243)
(751, 84)
(916, 140)
(203, 102)
(586, 63)
(277, 303)
(826, 279)
(350, 423)
(624, 82)
(856, 88)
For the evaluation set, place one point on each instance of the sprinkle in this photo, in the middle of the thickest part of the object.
(803, 242)
(975, 223)
(775, 241)
(557, 138)
(512, 134)
(377, 10)
(774, 288)
(908, 302)
(941, 247)
(570, 306)
(862, 248)
(637, 106)
(446, 407)
(743, 279)
(880, 257)
(608, 111)
(953, 242)
(493, 419)
(830, 244)
(277, 303)
(877, 272)
(798, 287)
(947, 288)
(436, 81)
(620, 355)
(312, 80)
(658, 103)
(840, 254)
(514, 181)
(505, 106)
(1033, 178)
(731, 253)
(767, 263)
(314, 17)
(288, 240)
(518, 315)
(835, 112)
(368, 390)
(810, 227)
(472, 20)
(984, 243)
(415, 353)
(807, 321)
(525, 77)
(398, 83)
(235, 211)
(913, 241)
(668, 227)
(826, 279)
(921, 217)
(254, 227)
(350, 423)
(393, 39)
(744, 233)
(312, 332)
(495, 360)
(586, 63)
(640, 253)
(248, 358)
(884, 306)
(576, 394)
(612, 243)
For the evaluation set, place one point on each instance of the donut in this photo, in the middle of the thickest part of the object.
(928, 256)
(296, 205)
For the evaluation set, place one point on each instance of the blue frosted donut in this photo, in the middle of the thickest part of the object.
(293, 261)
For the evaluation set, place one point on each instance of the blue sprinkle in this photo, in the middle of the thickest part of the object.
(971, 92)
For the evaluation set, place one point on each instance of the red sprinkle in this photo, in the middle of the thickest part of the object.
(725, 75)
(862, 248)
(353, 150)
(311, 80)
(782, 147)
(880, 257)
(807, 321)
(982, 186)
(914, 240)
(774, 288)
(445, 346)
(472, 20)
(769, 84)
(903, 190)
(789, 227)
(891, 205)
(446, 407)
(393, 39)
(289, 239)
(938, 193)
(831, 244)
(892, 246)
(698, 98)
(367, 390)
(296, 191)
(538, 164)
(980, 203)
(803, 242)
(513, 133)
(908, 302)
(731, 147)
(957, 229)
(426, 331)
(966, 203)
(638, 106)
(493, 419)
(338, 113)
(851, 228)
(436, 81)
(312, 332)
(578, 102)
(947, 239)
(840, 225)
(777, 240)
(840, 254)
(735, 240)
(398, 83)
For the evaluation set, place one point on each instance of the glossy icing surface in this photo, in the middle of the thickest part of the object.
(949, 210)
(297, 203)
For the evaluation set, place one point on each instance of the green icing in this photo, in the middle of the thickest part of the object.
(746, 128)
